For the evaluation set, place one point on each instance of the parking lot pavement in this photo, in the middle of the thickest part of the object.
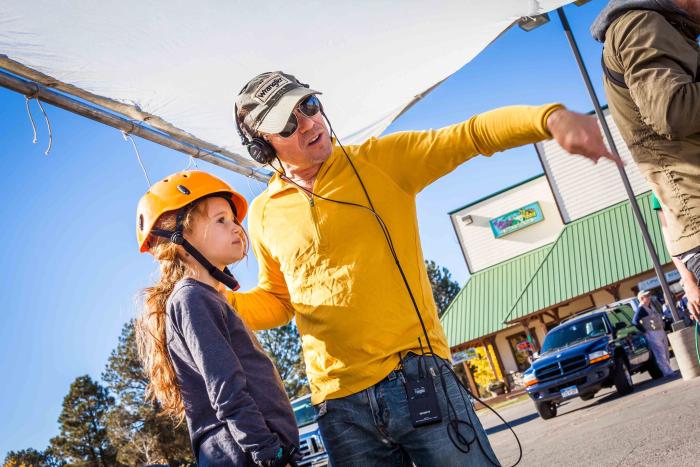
(658, 424)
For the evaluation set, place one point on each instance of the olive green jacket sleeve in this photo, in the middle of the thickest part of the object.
(660, 66)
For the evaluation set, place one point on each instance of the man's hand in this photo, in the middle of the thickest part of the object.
(688, 280)
(692, 293)
(579, 134)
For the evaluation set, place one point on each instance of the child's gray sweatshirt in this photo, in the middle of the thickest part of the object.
(225, 377)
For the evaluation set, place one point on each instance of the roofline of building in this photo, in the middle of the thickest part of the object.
(496, 193)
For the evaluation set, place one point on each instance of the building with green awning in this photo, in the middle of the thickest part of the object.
(543, 250)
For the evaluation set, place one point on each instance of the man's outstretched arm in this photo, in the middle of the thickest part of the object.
(438, 152)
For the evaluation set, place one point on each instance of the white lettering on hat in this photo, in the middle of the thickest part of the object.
(271, 86)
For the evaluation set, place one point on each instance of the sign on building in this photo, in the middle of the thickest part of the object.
(464, 355)
(516, 220)
(652, 283)
(524, 346)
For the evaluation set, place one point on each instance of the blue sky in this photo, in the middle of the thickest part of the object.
(72, 268)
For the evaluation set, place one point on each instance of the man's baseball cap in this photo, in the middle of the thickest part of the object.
(268, 100)
(643, 293)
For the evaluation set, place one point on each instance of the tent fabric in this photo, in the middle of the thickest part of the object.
(180, 64)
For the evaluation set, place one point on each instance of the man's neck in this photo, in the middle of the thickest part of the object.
(305, 176)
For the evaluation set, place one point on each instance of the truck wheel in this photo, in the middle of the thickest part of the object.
(546, 410)
(622, 377)
(653, 368)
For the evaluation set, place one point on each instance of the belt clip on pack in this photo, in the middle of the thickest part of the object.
(422, 399)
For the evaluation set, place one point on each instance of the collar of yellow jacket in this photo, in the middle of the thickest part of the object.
(277, 184)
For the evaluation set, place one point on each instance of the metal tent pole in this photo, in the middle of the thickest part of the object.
(222, 158)
(678, 323)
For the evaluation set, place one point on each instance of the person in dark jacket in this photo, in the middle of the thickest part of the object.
(651, 61)
(649, 320)
(203, 363)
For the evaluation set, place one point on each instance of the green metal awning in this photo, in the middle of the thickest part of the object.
(479, 308)
(591, 253)
(598, 250)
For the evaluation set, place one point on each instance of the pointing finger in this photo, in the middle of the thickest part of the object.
(613, 157)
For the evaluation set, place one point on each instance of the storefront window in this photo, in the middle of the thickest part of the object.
(522, 350)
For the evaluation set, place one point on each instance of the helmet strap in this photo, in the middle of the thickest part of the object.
(225, 276)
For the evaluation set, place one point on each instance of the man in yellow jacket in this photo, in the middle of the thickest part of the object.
(327, 260)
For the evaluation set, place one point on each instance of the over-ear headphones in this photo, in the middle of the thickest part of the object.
(260, 150)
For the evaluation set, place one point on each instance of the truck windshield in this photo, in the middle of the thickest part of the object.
(304, 412)
(575, 332)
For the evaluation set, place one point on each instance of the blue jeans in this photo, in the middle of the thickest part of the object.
(373, 427)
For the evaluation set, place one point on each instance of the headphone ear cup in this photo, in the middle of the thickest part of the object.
(261, 151)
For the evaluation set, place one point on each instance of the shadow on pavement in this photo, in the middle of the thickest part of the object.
(607, 396)
(513, 423)
(611, 396)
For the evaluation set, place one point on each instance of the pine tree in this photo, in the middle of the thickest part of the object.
(31, 458)
(283, 345)
(83, 437)
(141, 434)
(444, 288)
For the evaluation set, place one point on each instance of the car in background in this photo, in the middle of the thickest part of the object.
(311, 445)
(595, 349)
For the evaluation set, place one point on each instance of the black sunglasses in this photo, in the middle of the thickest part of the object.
(309, 107)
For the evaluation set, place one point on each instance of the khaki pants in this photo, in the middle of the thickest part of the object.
(674, 175)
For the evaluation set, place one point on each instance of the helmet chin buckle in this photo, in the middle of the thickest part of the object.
(177, 238)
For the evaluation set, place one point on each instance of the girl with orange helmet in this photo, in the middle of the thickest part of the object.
(203, 364)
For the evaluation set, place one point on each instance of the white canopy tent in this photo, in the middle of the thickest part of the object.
(176, 66)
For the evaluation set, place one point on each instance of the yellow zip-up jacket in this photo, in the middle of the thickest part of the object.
(330, 266)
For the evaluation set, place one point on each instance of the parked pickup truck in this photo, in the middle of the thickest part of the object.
(311, 446)
(593, 350)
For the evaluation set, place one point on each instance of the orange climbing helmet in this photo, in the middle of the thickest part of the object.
(178, 191)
